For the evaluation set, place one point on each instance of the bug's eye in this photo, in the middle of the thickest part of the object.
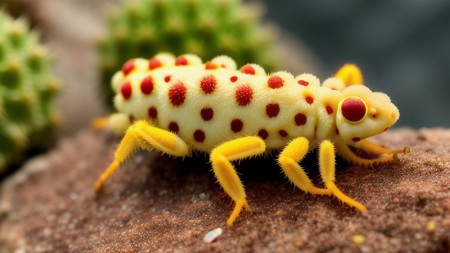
(354, 109)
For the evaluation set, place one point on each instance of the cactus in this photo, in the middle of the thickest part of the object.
(27, 90)
(206, 28)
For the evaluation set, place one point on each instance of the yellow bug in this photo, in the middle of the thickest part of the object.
(179, 105)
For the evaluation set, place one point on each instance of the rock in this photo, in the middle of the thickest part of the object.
(158, 204)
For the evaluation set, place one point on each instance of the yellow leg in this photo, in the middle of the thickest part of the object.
(99, 123)
(350, 74)
(351, 157)
(118, 122)
(289, 159)
(373, 148)
(144, 136)
(327, 171)
(221, 158)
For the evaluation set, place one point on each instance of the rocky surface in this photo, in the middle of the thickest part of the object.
(158, 204)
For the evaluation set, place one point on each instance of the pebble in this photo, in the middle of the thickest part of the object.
(212, 235)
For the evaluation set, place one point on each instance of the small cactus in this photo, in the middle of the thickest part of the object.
(203, 27)
(27, 90)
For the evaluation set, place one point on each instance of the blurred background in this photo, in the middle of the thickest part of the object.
(402, 47)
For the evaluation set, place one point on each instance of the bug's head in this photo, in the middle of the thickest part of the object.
(362, 113)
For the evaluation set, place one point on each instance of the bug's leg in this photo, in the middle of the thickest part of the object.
(99, 123)
(118, 122)
(372, 148)
(327, 171)
(350, 74)
(142, 135)
(221, 158)
(288, 161)
(351, 157)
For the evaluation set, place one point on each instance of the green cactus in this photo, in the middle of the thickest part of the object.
(207, 28)
(27, 90)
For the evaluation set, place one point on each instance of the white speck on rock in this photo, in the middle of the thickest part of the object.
(212, 235)
(139, 158)
(203, 196)
(20, 250)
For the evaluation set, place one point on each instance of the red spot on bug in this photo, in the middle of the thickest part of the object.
(282, 133)
(244, 95)
(126, 90)
(180, 61)
(211, 65)
(128, 67)
(152, 112)
(329, 109)
(300, 119)
(177, 94)
(208, 84)
(167, 78)
(248, 69)
(309, 100)
(207, 113)
(272, 110)
(356, 139)
(199, 136)
(275, 82)
(353, 109)
(263, 134)
(303, 82)
(154, 63)
(236, 125)
(173, 127)
(147, 85)
(233, 79)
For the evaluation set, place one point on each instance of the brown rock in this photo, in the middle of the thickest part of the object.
(158, 204)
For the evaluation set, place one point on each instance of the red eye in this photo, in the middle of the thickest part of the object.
(353, 109)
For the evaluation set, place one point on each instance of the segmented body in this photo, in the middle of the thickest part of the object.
(208, 104)
(176, 105)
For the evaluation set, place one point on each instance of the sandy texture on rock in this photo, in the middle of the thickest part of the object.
(157, 204)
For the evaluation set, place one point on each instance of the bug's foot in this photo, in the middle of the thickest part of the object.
(99, 189)
(405, 150)
(98, 185)
(108, 172)
(237, 210)
(344, 198)
(99, 193)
